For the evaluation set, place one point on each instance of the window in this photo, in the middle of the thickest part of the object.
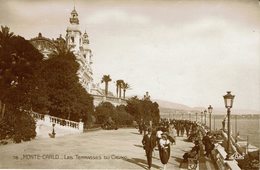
(72, 39)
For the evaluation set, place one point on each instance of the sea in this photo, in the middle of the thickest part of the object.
(248, 129)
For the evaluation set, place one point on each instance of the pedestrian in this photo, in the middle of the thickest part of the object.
(140, 128)
(159, 135)
(208, 144)
(145, 127)
(174, 135)
(149, 142)
(171, 135)
(187, 128)
(182, 129)
(164, 150)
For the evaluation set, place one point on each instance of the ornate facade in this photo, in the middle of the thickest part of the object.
(78, 44)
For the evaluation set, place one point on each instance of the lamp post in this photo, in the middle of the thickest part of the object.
(201, 117)
(210, 108)
(196, 116)
(205, 120)
(214, 122)
(228, 98)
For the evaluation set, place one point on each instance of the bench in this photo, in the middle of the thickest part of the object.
(192, 163)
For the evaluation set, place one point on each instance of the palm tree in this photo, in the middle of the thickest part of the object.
(5, 36)
(61, 49)
(125, 86)
(106, 79)
(119, 85)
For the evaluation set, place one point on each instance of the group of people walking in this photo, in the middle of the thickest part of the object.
(164, 135)
(151, 140)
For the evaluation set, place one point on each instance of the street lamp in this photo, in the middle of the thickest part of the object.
(205, 114)
(228, 98)
(196, 116)
(210, 108)
(201, 117)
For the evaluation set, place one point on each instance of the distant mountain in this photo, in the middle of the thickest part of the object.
(167, 107)
(171, 105)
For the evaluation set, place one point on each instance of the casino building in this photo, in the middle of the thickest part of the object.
(78, 43)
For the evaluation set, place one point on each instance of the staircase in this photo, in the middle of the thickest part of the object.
(46, 123)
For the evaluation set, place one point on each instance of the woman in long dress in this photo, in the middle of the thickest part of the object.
(164, 150)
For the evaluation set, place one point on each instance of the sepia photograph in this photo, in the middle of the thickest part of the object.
(130, 84)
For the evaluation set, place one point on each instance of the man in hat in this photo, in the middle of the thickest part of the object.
(208, 144)
(149, 142)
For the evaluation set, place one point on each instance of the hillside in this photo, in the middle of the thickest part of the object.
(167, 107)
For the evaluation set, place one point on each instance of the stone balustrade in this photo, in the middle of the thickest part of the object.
(114, 100)
(219, 154)
(62, 123)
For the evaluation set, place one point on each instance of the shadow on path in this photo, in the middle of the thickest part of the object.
(141, 162)
(178, 159)
(135, 133)
(140, 146)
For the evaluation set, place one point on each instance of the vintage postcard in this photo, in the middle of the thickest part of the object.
(129, 84)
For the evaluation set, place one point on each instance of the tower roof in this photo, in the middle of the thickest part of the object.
(85, 35)
(74, 12)
(74, 17)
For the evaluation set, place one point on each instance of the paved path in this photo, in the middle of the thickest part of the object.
(103, 149)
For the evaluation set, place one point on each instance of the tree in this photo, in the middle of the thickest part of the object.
(103, 111)
(68, 99)
(106, 79)
(122, 116)
(143, 109)
(19, 62)
(5, 36)
(119, 84)
(133, 107)
(125, 86)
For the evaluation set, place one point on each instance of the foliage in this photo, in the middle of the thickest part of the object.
(106, 79)
(123, 117)
(60, 86)
(125, 86)
(106, 111)
(24, 127)
(103, 111)
(143, 109)
(19, 62)
(18, 125)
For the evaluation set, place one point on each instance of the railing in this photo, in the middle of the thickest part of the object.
(114, 100)
(219, 154)
(64, 123)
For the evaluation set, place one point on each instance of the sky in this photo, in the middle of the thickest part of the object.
(188, 52)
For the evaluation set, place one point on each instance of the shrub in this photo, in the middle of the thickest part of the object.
(24, 127)
(6, 130)
(18, 126)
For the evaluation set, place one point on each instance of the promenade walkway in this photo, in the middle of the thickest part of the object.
(103, 149)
